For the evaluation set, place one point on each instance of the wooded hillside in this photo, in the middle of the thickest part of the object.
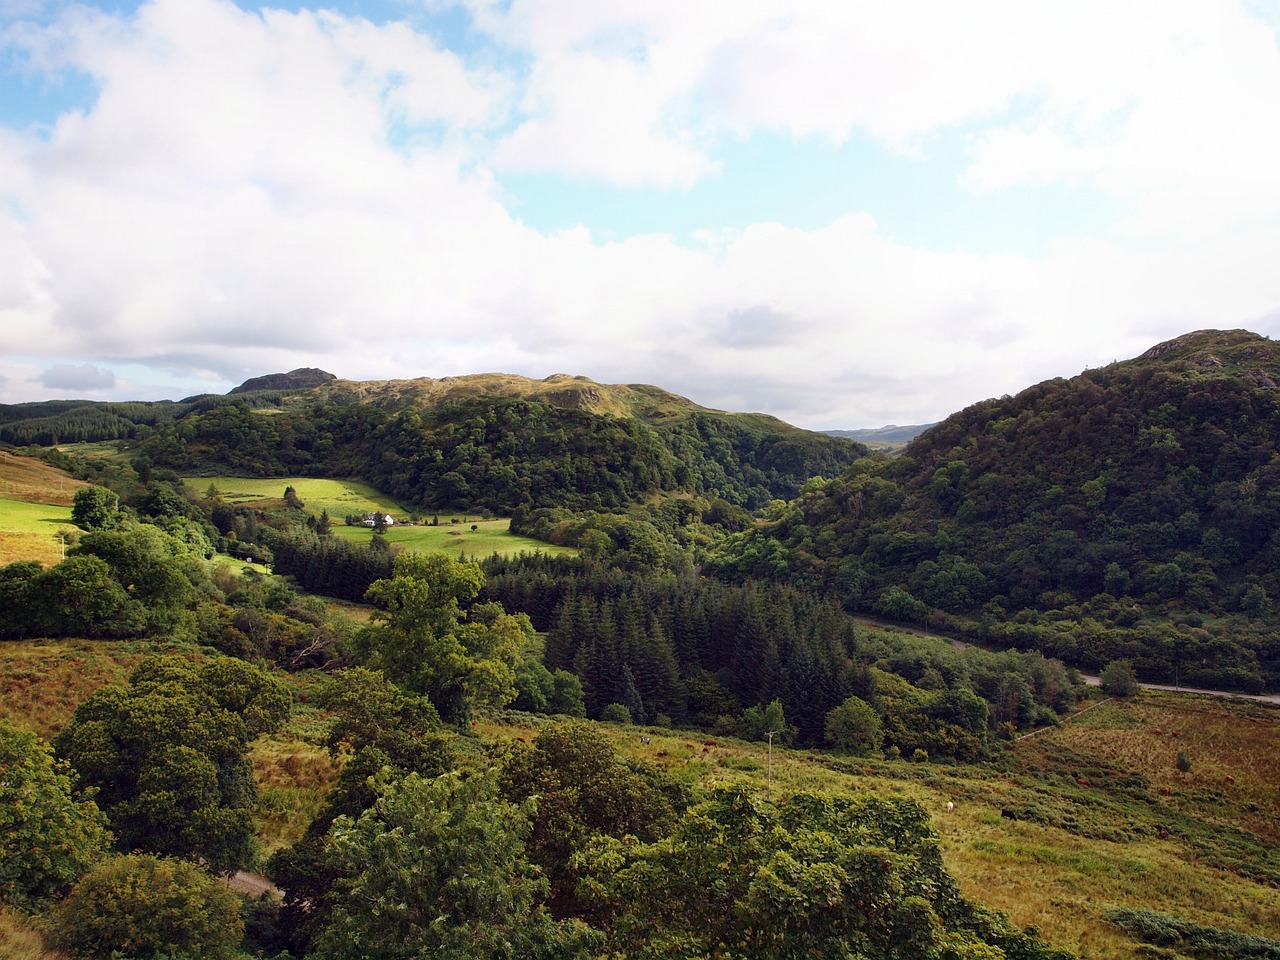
(1131, 511)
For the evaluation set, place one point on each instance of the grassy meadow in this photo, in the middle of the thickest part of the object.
(340, 498)
(35, 504)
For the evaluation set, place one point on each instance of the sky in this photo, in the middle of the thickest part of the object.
(842, 213)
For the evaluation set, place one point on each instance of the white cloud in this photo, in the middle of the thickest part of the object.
(85, 377)
(259, 192)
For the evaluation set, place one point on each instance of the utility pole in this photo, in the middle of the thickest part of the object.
(769, 776)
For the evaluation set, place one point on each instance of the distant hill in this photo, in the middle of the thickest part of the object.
(494, 441)
(1131, 511)
(640, 401)
(890, 436)
(301, 379)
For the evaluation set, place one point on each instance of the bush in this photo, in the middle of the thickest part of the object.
(615, 713)
(147, 908)
(1164, 930)
(1118, 679)
(853, 726)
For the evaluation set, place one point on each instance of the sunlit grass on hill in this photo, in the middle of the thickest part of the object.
(338, 497)
(25, 478)
(487, 538)
(31, 531)
(35, 504)
(453, 533)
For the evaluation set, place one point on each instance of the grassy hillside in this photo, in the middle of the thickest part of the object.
(453, 533)
(1203, 851)
(35, 503)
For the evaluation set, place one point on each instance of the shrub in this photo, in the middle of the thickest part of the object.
(147, 908)
(615, 713)
(853, 726)
(1118, 679)
(1193, 938)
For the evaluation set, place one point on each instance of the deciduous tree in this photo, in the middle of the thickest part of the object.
(169, 755)
(854, 726)
(425, 642)
(48, 837)
(438, 870)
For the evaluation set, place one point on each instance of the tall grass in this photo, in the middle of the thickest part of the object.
(43, 681)
(18, 941)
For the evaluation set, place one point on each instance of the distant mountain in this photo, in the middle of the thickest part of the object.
(890, 436)
(1132, 511)
(304, 378)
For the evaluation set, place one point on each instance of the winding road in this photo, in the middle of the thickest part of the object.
(1089, 679)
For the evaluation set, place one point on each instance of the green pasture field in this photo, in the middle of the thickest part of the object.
(339, 497)
(100, 449)
(29, 531)
(489, 537)
(344, 497)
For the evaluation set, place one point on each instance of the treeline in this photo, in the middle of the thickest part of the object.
(331, 566)
(47, 423)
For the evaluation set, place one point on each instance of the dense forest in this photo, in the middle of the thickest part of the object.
(495, 452)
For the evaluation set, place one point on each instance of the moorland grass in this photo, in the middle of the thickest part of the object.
(25, 478)
(19, 941)
(43, 681)
(1076, 853)
(293, 769)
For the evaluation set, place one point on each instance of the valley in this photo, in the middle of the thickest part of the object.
(856, 677)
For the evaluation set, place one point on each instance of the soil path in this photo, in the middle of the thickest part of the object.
(253, 885)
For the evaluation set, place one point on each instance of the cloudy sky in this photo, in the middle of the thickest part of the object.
(842, 213)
